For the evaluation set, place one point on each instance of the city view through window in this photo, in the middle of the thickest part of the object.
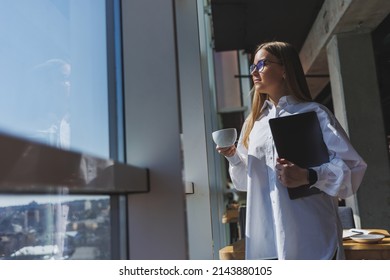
(55, 228)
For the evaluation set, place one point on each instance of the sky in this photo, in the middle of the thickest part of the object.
(53, 73)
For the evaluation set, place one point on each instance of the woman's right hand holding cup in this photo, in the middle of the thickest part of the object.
(227, 151)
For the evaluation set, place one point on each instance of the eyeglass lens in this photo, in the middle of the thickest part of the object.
(258, 66)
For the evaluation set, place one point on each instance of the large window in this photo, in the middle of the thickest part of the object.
(54, 90)
(53, 73)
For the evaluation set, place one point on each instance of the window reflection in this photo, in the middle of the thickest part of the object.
(53, 73)
(55, 227)
(51, 86)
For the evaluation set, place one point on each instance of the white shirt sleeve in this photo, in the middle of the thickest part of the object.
(238, 165)
(343, 174)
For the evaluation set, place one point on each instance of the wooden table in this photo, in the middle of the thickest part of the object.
(235, 251)
(231, 217)
(375, 251)
(353, 250)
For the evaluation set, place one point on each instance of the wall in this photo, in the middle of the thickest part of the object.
(157, 222)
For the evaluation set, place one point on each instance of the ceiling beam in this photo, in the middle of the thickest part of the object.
(335, 17)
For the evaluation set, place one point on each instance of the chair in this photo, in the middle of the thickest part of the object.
(242, 221)
(346, 217)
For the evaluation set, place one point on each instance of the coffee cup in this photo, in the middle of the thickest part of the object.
(225, 137)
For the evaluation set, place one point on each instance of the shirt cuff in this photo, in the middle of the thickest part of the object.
(234, 160)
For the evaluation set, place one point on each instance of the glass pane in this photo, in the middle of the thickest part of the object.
(55, 227)
(53, 73)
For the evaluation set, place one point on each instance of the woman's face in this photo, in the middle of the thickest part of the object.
(270, 80)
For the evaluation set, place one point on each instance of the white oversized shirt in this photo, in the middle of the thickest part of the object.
(303, 228)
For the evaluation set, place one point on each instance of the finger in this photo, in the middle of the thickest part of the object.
(221, 149)
(280, 179)
(229, 151)
(224, 149)
(286, 163)
(283, 161)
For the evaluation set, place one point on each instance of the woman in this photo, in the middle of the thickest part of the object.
(278, 227)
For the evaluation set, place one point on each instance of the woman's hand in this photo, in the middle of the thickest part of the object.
(291, 175)
(227, 151)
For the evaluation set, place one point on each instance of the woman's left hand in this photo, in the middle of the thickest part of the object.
(290, 174)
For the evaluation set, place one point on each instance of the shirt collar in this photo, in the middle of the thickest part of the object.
(287, 100)
(283, 102)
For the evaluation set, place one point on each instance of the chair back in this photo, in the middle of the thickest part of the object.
(346, 217)
(242, 221)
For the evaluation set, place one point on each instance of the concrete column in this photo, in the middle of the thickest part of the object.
(194, 130)
(357, 106)
(157, 220)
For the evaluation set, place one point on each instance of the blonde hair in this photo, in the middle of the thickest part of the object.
(296, 83)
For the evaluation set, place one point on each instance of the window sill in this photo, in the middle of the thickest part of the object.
(31, 167)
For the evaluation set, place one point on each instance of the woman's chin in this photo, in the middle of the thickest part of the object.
(258, 87)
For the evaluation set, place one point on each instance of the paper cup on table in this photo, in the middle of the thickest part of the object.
(225, 137)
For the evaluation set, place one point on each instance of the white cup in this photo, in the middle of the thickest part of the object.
(225, 137)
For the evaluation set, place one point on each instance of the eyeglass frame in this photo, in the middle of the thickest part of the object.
(254, 67)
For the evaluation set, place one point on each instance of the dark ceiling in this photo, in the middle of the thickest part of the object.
(243, 24)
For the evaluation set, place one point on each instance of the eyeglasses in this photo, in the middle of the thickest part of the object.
(259, 66)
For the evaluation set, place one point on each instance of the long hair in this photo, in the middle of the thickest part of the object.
(296, 83)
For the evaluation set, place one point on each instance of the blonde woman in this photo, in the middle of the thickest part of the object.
(278, 227)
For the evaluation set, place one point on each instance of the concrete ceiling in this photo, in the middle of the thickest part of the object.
(243, 24)
(307, 24)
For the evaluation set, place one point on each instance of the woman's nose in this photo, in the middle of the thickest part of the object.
(255, 72)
